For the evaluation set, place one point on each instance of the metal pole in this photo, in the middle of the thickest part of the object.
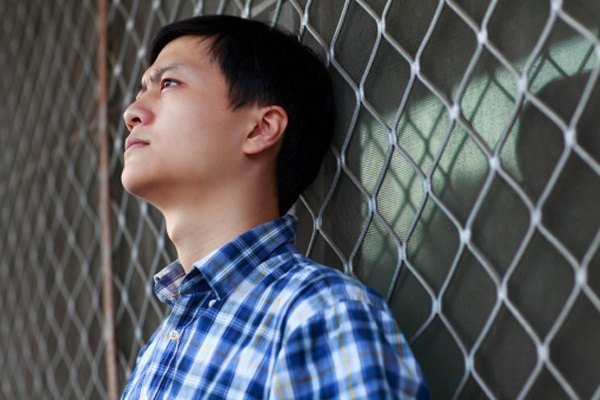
(104, 206)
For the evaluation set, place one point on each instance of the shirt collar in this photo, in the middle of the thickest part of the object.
(227, 267)
(167, 282)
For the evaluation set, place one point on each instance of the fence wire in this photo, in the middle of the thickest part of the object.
(463, 184)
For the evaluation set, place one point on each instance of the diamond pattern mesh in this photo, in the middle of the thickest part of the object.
(463, 185)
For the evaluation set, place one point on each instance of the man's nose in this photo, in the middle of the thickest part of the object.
(136, 114)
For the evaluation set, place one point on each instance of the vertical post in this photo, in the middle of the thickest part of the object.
(104, 206)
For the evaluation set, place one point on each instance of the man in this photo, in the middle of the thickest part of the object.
(231, 123)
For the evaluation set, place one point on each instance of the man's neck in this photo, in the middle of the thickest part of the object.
(199, 231)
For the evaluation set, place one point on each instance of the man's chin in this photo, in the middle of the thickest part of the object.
(134, 184)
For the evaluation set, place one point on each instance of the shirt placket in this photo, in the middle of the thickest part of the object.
(185, 311)
(170, 339)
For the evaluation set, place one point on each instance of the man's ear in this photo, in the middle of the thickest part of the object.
(271, 123)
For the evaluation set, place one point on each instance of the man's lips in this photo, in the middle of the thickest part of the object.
(132, 142)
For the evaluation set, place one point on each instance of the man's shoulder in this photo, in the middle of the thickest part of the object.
(319, 279)
(308, 287)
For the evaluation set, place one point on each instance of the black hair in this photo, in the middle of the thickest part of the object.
(265, 66)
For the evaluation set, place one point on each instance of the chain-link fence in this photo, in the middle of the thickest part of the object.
(463, 185)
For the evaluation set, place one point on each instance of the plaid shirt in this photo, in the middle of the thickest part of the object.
(256, 319)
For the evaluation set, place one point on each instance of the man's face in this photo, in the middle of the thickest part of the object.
(185, 140)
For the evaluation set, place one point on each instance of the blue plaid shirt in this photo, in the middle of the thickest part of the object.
(258, 320)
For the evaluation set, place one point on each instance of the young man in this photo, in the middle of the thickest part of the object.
(231, 124)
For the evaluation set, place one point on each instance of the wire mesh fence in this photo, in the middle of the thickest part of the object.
(463, 184)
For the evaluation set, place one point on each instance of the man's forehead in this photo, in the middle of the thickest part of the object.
(180, 53)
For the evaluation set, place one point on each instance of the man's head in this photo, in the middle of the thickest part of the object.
(263, 66)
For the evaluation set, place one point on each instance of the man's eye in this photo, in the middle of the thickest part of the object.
(168, 83)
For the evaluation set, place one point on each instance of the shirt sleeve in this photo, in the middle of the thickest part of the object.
(349, 352)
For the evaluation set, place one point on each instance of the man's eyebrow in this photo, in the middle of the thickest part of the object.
(155, 76)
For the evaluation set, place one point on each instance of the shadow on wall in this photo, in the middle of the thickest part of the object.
(565, 182)
(538, 264)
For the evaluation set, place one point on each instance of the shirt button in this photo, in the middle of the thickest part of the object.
(212, 302)
(174, 335)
